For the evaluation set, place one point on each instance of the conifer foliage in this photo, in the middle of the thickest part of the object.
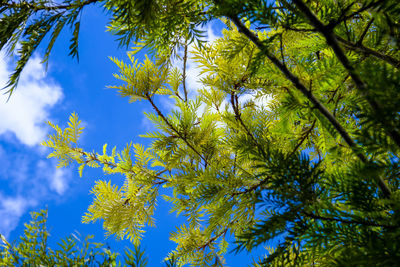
(33, 249)
(314, 169)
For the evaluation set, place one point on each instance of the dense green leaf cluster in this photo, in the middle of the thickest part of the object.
(292, 138)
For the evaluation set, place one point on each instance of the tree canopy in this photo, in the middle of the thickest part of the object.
(292, 137)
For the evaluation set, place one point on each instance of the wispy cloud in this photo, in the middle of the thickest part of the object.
(23, 115)
(27, 179)
(11, 209)
(58, 181)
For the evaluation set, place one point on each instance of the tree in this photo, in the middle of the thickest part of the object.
(315, 169)
(33, 249)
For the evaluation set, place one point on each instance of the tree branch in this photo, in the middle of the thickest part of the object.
(213, 239)
(185, 55)
(159, 113)
(304, 137)
(93, 157)
(238, 117)
(300, 86)
(364, 33)
(358, 47)
(366, 223)
(253, 187)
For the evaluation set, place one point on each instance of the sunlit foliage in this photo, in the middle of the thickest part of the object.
(291, 139)
(33, 249)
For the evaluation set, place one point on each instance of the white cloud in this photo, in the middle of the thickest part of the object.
(29, 179)
(11, 209)
(58, 181)
(54, 179)
(28, 108)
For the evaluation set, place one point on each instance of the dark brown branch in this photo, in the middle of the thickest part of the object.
(286, 27)
(235, 107)
(347, 30)
(300, 86)
(253, 187)
(339, 96)
(303, 138)
(238, 117)
(358, 47)
(213, 239)
(281, 50)
(160, 182)
(337, 89)
(93, 157)
(295, 81)
(159, 113)
(364, 33)
(235, 102)
(337, 104)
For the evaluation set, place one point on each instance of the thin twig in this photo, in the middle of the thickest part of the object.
(304, 137)
(213, 239)
(364, 33)
(205, 161)
(93, 157)
(358, 47)
(253, 187)
(184, 70)
(337, 89)
(159, 113)
(287, 27)
(366, 223)
(238, 117)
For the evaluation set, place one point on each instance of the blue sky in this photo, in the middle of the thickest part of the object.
(29, 181)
